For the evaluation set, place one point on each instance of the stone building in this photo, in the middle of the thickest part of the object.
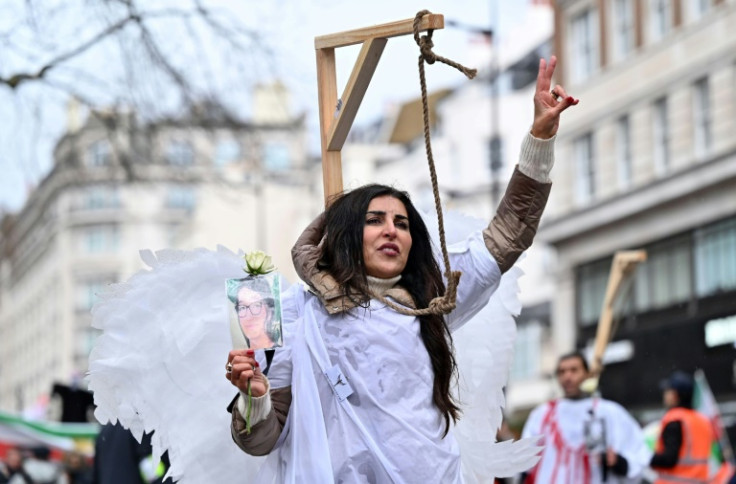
(647, 160)
(119, 185)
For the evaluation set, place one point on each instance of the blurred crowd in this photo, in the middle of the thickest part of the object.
(34, 466)
(118, 459)
(587, 440)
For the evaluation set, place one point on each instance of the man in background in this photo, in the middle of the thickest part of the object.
(12, 465)
(586, 438)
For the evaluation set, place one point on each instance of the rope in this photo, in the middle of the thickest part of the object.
(447, 302)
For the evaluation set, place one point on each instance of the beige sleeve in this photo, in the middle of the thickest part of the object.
(264, 434)
(307, 250)
(515, 223)
(537, 157)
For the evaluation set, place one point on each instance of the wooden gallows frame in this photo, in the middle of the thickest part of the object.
(623, 267)
(336, 116)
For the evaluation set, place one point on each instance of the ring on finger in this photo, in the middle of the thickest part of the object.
(254, 368)
(556, 96)
(229, 367)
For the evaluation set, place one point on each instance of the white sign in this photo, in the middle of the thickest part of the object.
(616, 352)
(720, 331)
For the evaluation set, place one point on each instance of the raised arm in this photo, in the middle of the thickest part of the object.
(517, 217)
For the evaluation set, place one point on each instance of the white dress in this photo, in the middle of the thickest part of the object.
(565, 459)
(388, 429)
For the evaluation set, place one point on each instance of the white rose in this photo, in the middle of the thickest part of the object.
(257, 262)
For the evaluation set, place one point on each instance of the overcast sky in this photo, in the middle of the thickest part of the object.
(289, 27)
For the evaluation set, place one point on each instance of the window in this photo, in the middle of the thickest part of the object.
(101, 238)
(666, 277)
(99, 153)
(623, 151)
(96, 198)
(527, 348)
(661, 137)
(276, 156)
(585, 168)
(495, 156)
(697, 8)
(701, 118)
(181, 197)
(661, 18)
(584, 45)
(715, 258)
(227, 151)
(180, 153)
(88, 293)
(592, 280)
(623, 29)
(85, 341)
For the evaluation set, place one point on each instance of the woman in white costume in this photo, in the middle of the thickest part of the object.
(361, 392)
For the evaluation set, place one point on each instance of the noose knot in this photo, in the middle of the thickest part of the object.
(425, 41)
(446, 303)
(425, 47)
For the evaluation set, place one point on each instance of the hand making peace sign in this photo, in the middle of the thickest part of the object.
(549, 103)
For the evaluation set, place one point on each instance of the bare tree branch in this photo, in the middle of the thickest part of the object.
(14, 80)
(171, 61)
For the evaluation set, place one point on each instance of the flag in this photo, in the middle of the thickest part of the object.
(18, 431)
(721, 456)
(705, 403)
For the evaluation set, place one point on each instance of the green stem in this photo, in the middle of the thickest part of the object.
(247, 412)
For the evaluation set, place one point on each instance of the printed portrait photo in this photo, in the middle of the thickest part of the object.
(256, 311)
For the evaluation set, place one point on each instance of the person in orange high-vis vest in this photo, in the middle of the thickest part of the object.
(684, 445)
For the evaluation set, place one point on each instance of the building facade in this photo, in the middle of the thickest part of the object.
(647, 160)
(118, 186)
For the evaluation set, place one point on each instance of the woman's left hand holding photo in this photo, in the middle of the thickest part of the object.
(242, 368)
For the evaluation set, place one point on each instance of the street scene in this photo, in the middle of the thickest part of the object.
(316, 241)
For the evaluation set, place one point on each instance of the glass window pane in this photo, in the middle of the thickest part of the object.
(276, 156)
(227, 151)
(181, 197)
(624, 27)
(180, 153)
(624, 152)
(99, 153)
(592, 280)
(97, 239)
(701, 117)
(715, 258)
(584, 45)
(661, 136)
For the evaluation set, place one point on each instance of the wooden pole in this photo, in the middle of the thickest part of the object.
(327, 88)
(394, 29)
(361, 76)
(622, 267)
(336, 117)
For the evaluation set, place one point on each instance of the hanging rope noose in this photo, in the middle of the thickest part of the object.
(446, 303)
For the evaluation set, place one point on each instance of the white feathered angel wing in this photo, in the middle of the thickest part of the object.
(159, 364)
(484, 349)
